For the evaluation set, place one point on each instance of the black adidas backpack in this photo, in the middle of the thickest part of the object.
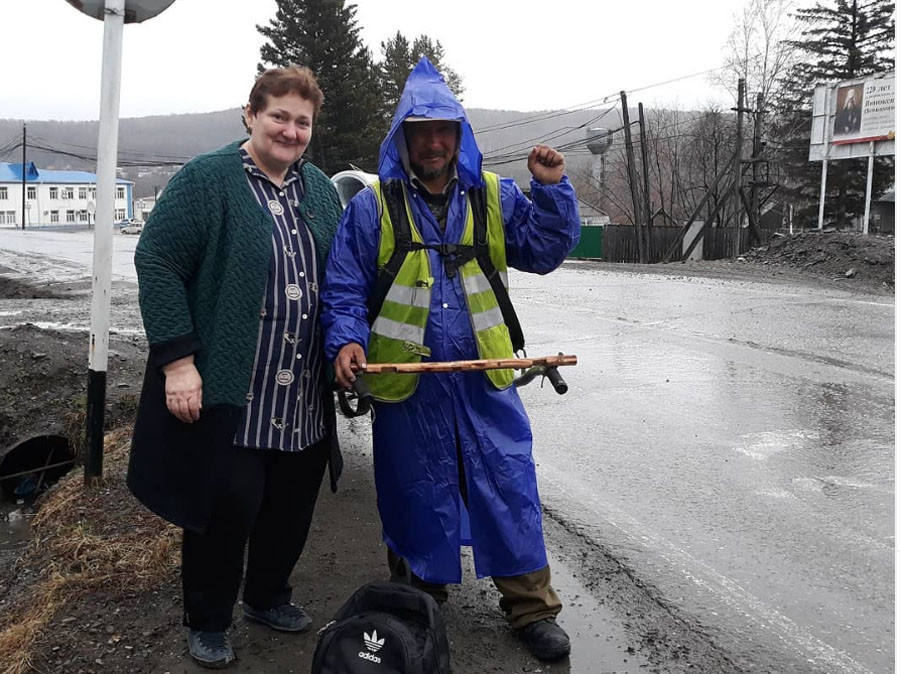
(384, 628)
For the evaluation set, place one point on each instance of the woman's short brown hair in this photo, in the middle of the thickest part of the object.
(281, 81)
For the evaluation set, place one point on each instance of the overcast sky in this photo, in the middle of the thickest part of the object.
(201, 55)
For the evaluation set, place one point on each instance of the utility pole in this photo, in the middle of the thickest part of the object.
(632, 180)
(738, 164)
(24, 173)
(757, 152)
(647, 234)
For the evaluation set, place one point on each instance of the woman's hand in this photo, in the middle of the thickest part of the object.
(350, 354)
(184, 389)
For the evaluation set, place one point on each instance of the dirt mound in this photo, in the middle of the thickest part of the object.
(868, 259)
(11, 288)
(43, 380)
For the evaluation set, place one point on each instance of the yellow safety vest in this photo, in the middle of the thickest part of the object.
(398, 332)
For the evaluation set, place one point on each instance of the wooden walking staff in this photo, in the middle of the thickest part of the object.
(463, 365)
(533, 367)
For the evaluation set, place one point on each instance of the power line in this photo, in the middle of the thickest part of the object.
(138, 153)
(553, 134)
(580, 107)
(134, 161)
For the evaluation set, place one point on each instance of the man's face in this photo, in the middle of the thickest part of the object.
(432, 147)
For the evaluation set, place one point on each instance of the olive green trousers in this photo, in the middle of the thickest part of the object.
(524, 599)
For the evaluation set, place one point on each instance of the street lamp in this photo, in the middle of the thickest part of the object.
(114, 14)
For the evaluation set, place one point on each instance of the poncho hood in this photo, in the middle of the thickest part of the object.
(427, 96)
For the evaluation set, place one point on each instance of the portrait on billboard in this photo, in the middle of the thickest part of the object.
(848, 112)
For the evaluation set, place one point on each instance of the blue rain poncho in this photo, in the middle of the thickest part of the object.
(451, 416)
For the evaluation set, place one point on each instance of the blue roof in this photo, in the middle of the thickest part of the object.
(12, 173)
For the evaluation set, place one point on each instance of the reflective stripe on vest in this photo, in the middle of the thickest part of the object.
(397, 334)
(491, 333)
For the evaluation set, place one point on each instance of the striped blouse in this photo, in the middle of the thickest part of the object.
(284, 408)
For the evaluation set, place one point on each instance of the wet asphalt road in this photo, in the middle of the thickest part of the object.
(730, 443)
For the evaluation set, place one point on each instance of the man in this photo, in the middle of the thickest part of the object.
(452, 451)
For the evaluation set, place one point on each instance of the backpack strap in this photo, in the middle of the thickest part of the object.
(394, 199)
(478, 202)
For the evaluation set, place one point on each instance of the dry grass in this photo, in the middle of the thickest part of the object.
(85, 539)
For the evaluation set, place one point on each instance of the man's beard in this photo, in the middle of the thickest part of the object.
(431, 173)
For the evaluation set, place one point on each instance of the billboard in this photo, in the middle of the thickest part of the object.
(848, 116)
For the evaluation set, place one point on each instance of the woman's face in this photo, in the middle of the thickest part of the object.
(280, 132)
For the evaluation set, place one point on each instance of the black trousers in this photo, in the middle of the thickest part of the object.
(266, 498)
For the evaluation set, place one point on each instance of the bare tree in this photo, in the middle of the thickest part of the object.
(710, 149)
(759, 49)
(686, 151)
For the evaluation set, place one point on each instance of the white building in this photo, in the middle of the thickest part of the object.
(55, 197)
(142, 208)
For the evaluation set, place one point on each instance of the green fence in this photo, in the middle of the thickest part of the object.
(591, 243)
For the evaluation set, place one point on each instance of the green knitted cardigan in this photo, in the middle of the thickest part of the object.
(203, 262)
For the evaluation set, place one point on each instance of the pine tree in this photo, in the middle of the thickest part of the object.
(324, 35)
(841, 40)
(394, 68)
(398, 59)
(434, 50)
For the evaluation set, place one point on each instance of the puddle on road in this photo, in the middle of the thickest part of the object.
(15, 529)
(599, 641)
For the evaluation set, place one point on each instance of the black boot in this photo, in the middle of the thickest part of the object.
(546, 640)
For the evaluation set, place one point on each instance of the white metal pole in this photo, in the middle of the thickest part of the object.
(822, 192)
(827, 139)
(865, 227)
(107, 150)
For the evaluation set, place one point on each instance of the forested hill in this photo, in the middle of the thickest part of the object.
(151, 148)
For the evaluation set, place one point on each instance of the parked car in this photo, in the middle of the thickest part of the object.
(131, 227)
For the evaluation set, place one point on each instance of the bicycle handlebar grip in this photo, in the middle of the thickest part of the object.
(363, 396)
(559, 384)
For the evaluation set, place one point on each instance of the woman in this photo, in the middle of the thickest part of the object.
(236, 419)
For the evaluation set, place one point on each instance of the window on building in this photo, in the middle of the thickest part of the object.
(82, 216)
(120, 214)
(32, 192)
(54, 193)
(82, 192)
(120, 193)
(68, 193)
(9, 218)
(70, 216)
(93, 193)
(54, 216)
(3, 193)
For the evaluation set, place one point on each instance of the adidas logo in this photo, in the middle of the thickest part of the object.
(373, 643)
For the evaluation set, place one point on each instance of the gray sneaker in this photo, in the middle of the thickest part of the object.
(285, 618)
(210, 649)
